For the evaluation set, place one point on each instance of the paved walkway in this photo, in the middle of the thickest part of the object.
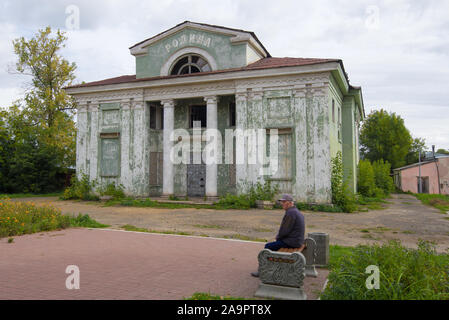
(129, 265)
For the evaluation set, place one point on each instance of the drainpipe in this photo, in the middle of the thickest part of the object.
(419, 179)
(438, 171)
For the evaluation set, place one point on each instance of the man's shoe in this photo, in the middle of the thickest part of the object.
(255, 274)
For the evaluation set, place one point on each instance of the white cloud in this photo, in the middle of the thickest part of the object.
(401, 65)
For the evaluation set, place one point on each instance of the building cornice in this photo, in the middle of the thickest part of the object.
(249, 76)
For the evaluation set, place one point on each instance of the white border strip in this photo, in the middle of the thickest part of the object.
(177, 235)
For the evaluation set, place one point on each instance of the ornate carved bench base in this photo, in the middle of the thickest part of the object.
(281, 275)
(280, 292)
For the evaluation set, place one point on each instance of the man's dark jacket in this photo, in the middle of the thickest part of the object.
(292, 228)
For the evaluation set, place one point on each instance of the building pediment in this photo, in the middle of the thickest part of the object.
(222, 48)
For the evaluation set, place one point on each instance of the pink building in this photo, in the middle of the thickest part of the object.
(434, 176)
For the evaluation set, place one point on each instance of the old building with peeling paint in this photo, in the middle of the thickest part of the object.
(195, 77)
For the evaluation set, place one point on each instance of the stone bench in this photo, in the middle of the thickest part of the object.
(281, 275)
(282, 272)
(308, 249)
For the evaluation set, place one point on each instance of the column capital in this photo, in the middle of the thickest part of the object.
(211, 99)
(137, 105)
(168, 103)
(241, 96)
(94, 106)
(125, 104)
(82, 107)
(257, 95)
(300, 92)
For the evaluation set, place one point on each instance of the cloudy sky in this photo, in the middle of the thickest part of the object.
(397, 50)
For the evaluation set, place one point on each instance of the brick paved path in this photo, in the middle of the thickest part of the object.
(129, 265)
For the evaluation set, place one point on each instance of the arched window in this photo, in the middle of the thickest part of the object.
(190, 64)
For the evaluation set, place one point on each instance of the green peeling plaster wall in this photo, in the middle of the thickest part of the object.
(218, 46)
(349, 142)
(336, 95)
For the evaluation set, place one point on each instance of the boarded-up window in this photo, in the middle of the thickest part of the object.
(156, 164)
(110, 157)
(284, 174)
(284, 155)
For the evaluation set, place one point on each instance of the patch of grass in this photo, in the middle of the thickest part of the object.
(318, 207)
(337, 252)
(370, 237)
(405, 274)
(376, 230)
(243, 237)
(208, 296)
(10, 240)
(408, 232)
(406, 203)
(30, 195)
(439, 201)
(18, 218)
(208, 226)
(265, 229)
(85, 221)
(145, 203)
(129, 227)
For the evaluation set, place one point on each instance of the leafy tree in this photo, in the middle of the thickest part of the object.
(37, 133)
(413, 154)
(442, 151)
(46, 105)
(384, 136)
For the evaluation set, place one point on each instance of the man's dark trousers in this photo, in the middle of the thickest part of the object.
(276, 245)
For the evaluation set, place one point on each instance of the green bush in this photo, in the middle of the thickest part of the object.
(405, 274)
(341, 195)
(80, 189)
(382, 176)
(366, 181)
(318, 207)
(116, 192)
(257, 191)
(231, 201)
(266, 191)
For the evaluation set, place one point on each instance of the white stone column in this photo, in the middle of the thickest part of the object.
(125, 143)
(241, 156)
(93, 146)
(168, 169)
(211, 169)
(82, 140)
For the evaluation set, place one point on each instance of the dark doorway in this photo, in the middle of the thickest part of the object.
(196, 179)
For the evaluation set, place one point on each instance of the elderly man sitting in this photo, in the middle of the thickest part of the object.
(291, 231)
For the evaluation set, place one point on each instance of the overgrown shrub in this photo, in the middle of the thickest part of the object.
(231, 201)
(374, 179)
(81, 189)
(265, 191)
(382, 176)
(110, 189)
(341, 195)
(405, 274)
(257, 191)
(17, 218)
(366, 181)
(318, 207)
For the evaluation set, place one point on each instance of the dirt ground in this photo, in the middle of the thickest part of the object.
(404, 218)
